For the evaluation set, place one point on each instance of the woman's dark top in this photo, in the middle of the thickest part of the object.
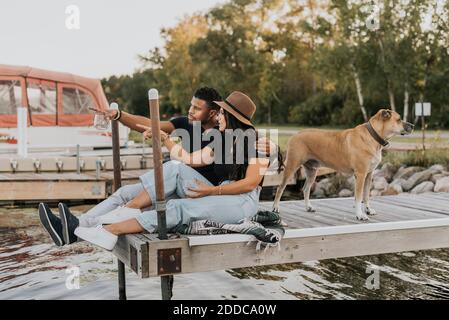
(234, 151)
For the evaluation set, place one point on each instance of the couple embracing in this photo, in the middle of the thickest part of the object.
(217, 177)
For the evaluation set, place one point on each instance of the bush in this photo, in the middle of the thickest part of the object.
(348, 116)
(317, 110)
(439, 118)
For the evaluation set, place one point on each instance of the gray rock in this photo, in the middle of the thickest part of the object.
(426, 186)
(406, 172)
(375, 193)
(398, 181)
(319, 193)
(442, 185)
(324, 184)
(416, 179)
(387, 171)
(380, 183)
(394, 188)
(351, 182)
(345, 193)
(437, 169)
(438, 176)
(322, 188)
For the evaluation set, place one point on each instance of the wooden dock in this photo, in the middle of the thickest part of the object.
(29, 186)
(63, 176)
(403, 223)
(90, 184)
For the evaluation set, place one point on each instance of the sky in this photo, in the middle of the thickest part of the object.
(111, 34)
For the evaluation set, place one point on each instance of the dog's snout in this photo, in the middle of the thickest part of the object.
(408, 127)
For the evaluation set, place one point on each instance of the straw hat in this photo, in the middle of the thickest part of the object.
(240, 106)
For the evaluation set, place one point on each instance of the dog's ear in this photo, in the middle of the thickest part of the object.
(386, 114)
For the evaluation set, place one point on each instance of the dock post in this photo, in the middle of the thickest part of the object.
(153, 96)
(78, 162)
(22, 132)
(117, 184)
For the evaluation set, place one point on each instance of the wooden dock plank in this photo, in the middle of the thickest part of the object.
(325, 215)
(50, 190)
(29, 186)
(409, 203)
(442, 196)
(386, 211)
(434, 198)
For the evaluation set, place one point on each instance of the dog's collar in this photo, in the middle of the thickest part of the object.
(374, 134)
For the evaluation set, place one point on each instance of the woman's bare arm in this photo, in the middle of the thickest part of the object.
(195, 159)
(198, 158)
(254, 175)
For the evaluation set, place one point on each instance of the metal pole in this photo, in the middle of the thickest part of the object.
(423, 125)
(78, 163)
(117, 185)
(153, 96)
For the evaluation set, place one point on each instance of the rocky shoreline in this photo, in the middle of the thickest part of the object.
(388, 180)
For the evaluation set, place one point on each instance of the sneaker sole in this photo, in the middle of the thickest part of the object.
(65, 228)
(45, 221)
(95, 241)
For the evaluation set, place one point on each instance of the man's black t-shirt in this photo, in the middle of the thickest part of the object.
(193, 142)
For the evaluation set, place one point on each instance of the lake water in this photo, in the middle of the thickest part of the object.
(32, 268)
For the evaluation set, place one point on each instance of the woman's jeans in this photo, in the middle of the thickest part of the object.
(179, 209)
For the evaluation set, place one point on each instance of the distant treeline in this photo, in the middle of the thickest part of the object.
(304, 62)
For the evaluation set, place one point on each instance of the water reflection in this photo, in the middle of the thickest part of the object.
(32, 268)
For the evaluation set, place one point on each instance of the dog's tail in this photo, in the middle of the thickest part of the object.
(281, 164)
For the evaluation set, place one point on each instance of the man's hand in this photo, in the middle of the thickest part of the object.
(148, 133)
(108, 113)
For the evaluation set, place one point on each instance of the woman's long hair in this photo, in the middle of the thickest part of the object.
(238, 171)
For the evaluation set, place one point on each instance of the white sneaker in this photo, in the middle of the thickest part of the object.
(98, 236)
(118, 215)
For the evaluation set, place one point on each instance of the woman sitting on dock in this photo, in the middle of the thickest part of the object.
(192, 196)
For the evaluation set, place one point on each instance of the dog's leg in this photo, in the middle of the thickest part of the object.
(310, 179)
(360, 178)
(366, 192)
(290, 169)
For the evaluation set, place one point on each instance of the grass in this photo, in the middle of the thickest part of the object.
(294, 127)
(418, 158)
(135, 136)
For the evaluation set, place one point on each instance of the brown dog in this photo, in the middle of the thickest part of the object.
(357, 151)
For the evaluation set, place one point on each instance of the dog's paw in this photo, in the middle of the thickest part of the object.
(275, 209)
(370, 211)
(310, 209)
(362, 217)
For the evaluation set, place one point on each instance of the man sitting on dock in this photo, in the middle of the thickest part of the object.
(201, 117)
